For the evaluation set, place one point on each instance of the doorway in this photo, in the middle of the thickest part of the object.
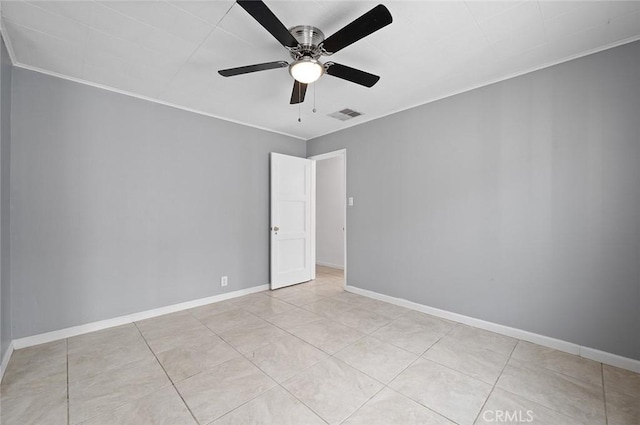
(296, 214)
(329, 218)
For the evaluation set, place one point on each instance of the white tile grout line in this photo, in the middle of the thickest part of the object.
(496, 382)
(329, 355)
(386, 386)
(173, 384)
(258, 367)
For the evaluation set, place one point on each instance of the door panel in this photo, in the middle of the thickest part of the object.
(291, 254)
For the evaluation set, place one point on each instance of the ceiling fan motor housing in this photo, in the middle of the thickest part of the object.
(309, 39)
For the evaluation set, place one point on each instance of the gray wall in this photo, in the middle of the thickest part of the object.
(330, 199)
(517, 203)
(5, 161)
(122, 205)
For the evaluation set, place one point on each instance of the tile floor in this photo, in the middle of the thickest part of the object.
(305, 355)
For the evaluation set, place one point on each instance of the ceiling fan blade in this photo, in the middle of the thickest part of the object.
(252, 68)
(370, 22)
(299, 90)
(351, 74)
(265, 17)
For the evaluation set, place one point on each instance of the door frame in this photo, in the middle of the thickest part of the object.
(339, 153)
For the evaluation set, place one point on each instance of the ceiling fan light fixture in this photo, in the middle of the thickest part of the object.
(306, 70)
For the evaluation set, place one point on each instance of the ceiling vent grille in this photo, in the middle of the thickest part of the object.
(345, 114)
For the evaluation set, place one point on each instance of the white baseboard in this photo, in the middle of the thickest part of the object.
(610, 359)
(5, 360)
(130, 318)
(568, 347)
(333, 266)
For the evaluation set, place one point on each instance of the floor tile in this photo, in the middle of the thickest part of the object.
(217, 391)
(39, 353)
(170, 331)
(622, 391)
(286, 292)
(333, 389)
(472, 360)
(377, 359)
(43, 408)
(249, 339)
(320, 280)
(265, 306)
(230, 320)
(326, 290)
(303, 298)
(389, 407)
(326, 335)
(384, 309)
(509, 409)
(408, 335)
(293, 318)
(284, 358)
(362, 320)
(275, 407)
(558, 361)
(483, 339)
(208, 310)
(163, 407)
(250, 299)
(92, 359)
(28, 379)
(105, 350)
(563, 393)
(161, 341)
(120, 335)
(452, 394)
(179, 321)
(622, 409)
(327, 307)
(430, 322)
(106, 391)
(195, 357)
(353, 300)
(621, 381)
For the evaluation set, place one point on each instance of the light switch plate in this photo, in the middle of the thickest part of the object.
(350, 201)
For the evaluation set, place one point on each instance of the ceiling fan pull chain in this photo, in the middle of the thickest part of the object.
(314, 98)
(299, 120)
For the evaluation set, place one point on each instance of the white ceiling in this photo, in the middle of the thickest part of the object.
(171, 50)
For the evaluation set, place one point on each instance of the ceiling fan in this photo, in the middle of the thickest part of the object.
(306, 44)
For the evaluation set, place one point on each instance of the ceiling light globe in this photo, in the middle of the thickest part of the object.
(306, 70)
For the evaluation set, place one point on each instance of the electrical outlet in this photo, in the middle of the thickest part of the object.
(224, 281)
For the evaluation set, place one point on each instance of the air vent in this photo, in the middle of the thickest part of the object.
(345, 114)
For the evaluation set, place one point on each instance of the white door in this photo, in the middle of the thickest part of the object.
(291, 232)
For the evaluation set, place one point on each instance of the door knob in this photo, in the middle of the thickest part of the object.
(276, 228)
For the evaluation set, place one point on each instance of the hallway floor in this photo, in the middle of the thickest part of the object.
(305, 355)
